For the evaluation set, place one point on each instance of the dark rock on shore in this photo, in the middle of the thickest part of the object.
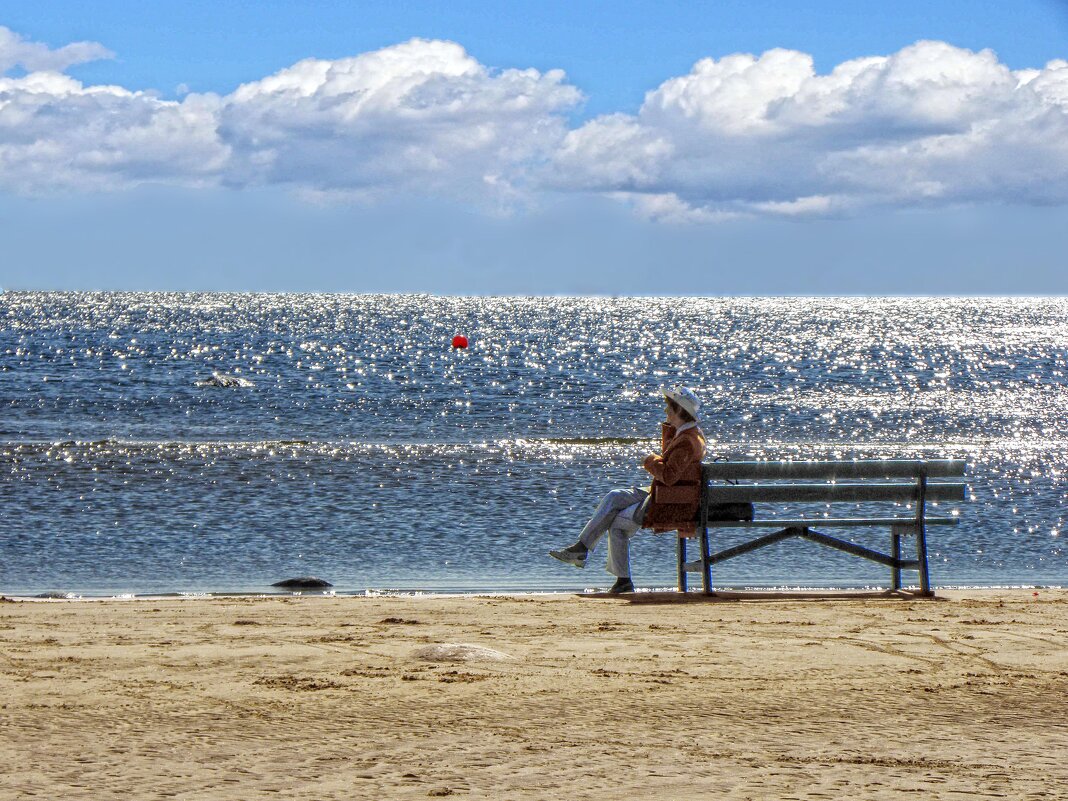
(303, 583)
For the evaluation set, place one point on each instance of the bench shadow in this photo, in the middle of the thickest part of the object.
(728, 596)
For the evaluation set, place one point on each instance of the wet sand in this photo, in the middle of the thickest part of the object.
(536, 697)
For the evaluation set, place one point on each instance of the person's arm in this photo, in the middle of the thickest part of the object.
(669, 470)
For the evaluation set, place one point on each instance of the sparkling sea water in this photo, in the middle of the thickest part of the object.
(360, 447)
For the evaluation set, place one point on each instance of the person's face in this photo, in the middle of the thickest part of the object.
(672, 414)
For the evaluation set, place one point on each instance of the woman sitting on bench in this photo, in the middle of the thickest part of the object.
(670, 503)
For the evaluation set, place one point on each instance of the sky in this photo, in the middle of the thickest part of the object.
(548, 148)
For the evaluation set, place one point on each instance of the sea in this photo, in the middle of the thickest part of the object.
(201, 443)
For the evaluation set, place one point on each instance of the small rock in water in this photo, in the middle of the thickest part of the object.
(55, 595)
(303, 583)
(224, 380)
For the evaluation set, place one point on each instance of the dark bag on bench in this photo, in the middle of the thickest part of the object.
(730, 511)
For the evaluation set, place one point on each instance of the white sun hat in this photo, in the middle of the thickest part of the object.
(684, 397)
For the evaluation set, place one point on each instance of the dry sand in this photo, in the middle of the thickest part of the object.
(321, 698)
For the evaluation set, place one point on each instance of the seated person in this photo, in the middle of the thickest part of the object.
(670, 502)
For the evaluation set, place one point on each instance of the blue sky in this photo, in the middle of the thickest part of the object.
(536, 148)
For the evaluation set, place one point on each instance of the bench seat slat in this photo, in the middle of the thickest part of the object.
(785, 493)
(831, 522)
(859, 468)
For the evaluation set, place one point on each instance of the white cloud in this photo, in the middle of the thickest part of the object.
(813, 204)
(742, 135)
(420, 116)
(931, 124)
(56, 133)
(36, 57)
(670, 208)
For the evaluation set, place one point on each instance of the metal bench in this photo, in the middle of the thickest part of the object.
(901, 482)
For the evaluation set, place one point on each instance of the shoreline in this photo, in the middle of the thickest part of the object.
(535, 696)
(784, 591)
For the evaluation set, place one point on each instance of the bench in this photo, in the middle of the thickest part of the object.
(905, 485)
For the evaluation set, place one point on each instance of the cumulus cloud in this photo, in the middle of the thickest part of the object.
(56, 133)
(931, 124)
(740, 135)
(15, 51)
(420, 116)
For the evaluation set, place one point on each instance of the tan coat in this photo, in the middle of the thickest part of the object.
(676, 488)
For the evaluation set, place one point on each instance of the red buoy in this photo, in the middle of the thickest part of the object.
(459, 341)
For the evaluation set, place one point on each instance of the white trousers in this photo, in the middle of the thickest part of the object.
(619, 514)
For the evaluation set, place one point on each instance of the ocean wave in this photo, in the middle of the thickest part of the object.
(312, 443)
(584, 440)
(757, 448)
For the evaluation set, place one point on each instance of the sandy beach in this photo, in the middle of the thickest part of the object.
(536, 697)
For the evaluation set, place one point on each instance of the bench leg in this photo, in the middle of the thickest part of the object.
(706, 563)
(895, 551)
(921, 532)
(680, 550)
(921, 557)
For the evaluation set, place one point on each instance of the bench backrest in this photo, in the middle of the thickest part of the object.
(847, 481)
